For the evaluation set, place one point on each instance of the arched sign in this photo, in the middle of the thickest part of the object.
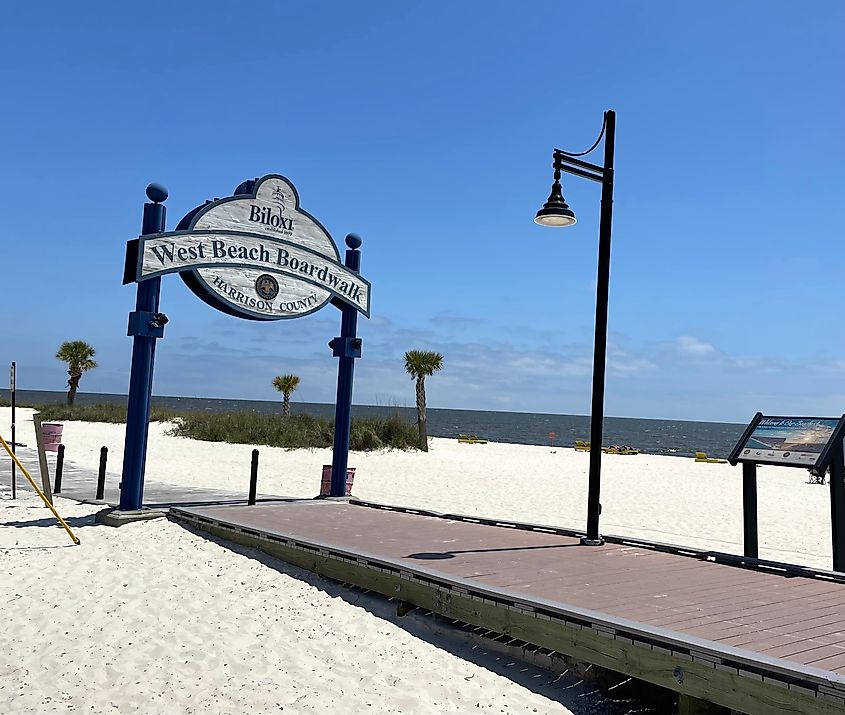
(255, 255)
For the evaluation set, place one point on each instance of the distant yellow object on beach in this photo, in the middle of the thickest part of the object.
(702, 457)
(614, 449)
(582, 446)
(471, 439)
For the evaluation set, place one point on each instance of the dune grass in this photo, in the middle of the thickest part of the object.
(103, 412)
(245, 427)
(293, 431)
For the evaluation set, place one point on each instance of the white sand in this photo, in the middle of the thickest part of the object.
(669, 499)
(151, 618)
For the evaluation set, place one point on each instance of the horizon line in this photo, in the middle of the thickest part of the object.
(4, 390)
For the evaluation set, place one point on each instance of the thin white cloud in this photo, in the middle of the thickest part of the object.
(534, 364)
(836, 367)
(694, 347)
(523, 368)
(623, 363)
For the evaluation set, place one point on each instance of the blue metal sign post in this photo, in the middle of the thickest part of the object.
(346, 348)
(146, 324)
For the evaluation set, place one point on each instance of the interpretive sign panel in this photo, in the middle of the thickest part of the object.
(788, 441)
(256, 255)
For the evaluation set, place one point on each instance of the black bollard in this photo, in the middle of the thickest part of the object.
(253, 477)
(101, 476)
(60, 463)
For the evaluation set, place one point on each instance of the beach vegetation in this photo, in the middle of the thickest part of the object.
(301, 431)
(420, 364)
(79, 357)
(295, 431)
(104, 412)
(286, 384)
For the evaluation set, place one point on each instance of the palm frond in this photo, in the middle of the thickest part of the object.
(78, 355)
(286, 383)
(422, 363)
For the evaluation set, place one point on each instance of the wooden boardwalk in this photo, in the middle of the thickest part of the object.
(756, 637)
(80, 484)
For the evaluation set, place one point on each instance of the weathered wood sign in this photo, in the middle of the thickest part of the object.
(256, 255)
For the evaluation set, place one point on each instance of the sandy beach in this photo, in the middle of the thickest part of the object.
(537, 223)
(668, 499)
(151, 618)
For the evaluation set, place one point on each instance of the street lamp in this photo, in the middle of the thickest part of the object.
(556, 212)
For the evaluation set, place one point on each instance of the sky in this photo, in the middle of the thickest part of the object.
(428, 128)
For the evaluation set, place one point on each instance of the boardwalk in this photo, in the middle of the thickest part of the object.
(755, 639)
(80, 484)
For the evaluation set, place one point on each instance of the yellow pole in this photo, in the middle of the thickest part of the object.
(40, 493)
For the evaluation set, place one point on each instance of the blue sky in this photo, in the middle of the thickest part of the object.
(427, 128)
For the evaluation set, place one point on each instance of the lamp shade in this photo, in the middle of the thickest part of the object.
(555, 211)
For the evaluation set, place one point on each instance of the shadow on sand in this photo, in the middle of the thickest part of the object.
(50, 520)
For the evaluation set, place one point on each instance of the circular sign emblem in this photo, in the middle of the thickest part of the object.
(266, 286)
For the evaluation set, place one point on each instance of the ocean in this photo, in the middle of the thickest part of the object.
(678, 437)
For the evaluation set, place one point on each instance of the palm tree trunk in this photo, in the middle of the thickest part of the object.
(286, 404)
(73, 384)
(421, 413)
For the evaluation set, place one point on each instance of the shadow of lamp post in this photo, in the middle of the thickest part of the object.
(556, 212)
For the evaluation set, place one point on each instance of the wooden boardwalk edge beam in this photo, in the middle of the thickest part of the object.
(743, 687)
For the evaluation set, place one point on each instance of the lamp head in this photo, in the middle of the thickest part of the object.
(555, 211)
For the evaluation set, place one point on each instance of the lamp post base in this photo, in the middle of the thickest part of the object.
(585, 541)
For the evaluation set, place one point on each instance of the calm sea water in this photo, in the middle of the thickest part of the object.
(653, 436)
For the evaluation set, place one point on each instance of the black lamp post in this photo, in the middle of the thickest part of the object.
(556, 212)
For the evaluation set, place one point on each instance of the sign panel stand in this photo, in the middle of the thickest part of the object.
(814, 443)
(255, 255)
(837, 506)
(749, 509)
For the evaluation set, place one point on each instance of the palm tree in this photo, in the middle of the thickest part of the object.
(79, 357)
(286, 384)
(420, 364)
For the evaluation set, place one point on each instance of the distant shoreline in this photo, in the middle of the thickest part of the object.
(671, 437)
(94, 397)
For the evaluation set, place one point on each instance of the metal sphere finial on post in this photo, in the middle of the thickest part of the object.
(353, 240)
(157, 193)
